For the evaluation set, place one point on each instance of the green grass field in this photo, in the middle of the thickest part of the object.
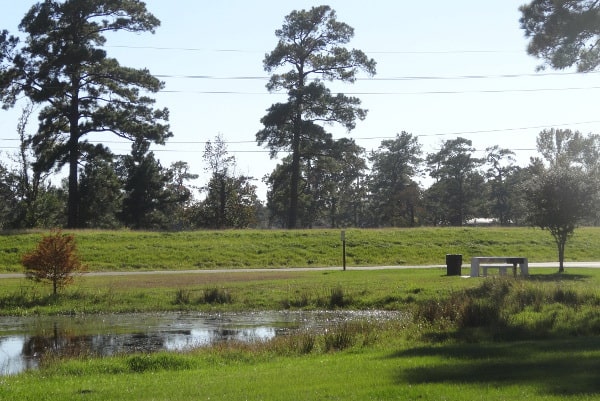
(467, 338)
(488, 339)
(132, 250)
(549, 370)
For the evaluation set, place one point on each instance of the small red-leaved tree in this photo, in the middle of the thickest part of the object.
(54, 260)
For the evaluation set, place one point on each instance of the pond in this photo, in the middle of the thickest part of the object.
(24, 340)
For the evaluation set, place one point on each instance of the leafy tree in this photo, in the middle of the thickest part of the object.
(8, 201)
(220, 165)
(502, 188)
(54, 260)
(240, 203)
(563, 33)
(278, 195)
(456, 193)
(562, 147)
(394, 193)
(330, 191)
(180, 211)
(559, 198)
(63, 66)
(326, 179)
(347, 193)
(231, 199)
(29, 179)
(566, 149)
(50, 206)
(146, 200)
(23, 187)
(312, 44)
(22, 184)
(100, 194)
(571, 149)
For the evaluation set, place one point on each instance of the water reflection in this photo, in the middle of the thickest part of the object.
(24, 340)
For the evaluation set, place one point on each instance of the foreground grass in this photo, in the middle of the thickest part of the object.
(550, 370)
(550, 350)
(470, 339)
(129, 250)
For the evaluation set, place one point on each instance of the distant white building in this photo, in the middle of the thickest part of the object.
(481, 221)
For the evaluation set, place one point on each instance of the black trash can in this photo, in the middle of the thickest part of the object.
(453, 265)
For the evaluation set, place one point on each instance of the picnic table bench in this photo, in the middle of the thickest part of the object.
(502, 263)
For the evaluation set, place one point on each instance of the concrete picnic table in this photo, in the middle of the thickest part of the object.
(500, 262)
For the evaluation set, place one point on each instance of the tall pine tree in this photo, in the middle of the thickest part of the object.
(311, 43)
(63, 66)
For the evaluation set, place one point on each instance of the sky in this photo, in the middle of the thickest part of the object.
(444, 69)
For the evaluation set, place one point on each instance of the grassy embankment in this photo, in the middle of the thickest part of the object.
(130, 250)
(491, 339)
(142, 251)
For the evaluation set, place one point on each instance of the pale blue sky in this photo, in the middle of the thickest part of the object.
(445, 69)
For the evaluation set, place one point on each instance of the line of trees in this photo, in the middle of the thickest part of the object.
(133, 191)
(463, 187)
(323, 182)
(343, 187)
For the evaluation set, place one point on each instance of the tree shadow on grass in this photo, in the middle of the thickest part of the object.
(558, 367)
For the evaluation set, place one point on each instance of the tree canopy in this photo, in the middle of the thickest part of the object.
(559, 199)
(456, 191)
(394, 193)
(563, 33)
(62, 65)
(312, 44)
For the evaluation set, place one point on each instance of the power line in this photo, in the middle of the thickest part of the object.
(440, 92)
(456, 133)
(398, 78)
(488, 131)
(217, 50)
(511, 129)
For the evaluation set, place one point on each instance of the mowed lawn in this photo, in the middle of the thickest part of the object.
(229, 249)
(540, 370)
(468, 338)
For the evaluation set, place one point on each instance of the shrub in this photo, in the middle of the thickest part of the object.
(337, 298)
(54, 260)
(479, 313)
(298, 343)
(182, 297)
(508, 308)
(217, 295)
(339, 338)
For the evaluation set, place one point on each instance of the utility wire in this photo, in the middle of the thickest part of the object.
(205, 50)
(456, 133)
(369, 137)
(398, 78)
(395, 93)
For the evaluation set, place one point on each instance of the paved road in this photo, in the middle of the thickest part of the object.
(568, 265)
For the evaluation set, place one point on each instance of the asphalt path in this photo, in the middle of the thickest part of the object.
(567, 265)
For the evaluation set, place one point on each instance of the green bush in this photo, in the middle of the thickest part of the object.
(336, 297)
(182, 297)
(339, 337)
(217, 295)
(512, 309)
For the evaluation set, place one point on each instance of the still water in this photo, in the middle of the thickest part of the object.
(23, 340)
